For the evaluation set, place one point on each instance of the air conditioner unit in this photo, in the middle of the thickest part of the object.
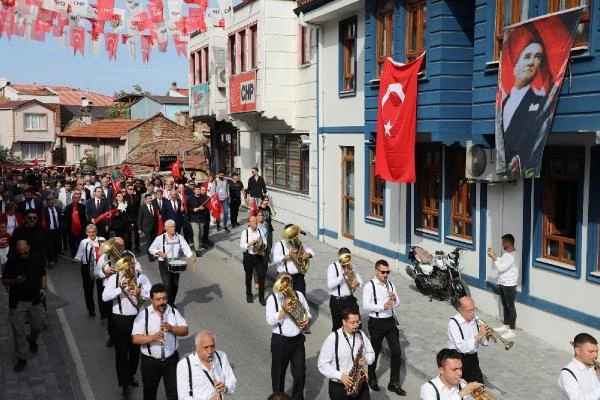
(221, 77)
(481, 164)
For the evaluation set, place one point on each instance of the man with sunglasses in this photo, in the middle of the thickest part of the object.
(32, 233)
(380, 299)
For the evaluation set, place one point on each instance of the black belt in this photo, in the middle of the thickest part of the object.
(381, 319)
(341, 297)
(158, 359)
(469, 355)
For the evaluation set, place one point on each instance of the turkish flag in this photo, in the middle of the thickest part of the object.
(116, 185)
(107, 216)
(253, 208)
(77, 39)
(111, 40)
(127, 171)
(180, 45)
(175, 170)
(8, 3)
(397, 121)
(215, 207)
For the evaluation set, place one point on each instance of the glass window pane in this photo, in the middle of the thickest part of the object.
(280, 160)
(293, 170)
(268, 156)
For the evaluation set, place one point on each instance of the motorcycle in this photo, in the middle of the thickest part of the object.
(438, 275)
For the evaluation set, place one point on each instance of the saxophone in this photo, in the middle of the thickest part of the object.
(348, 272)
(357, 373)
(291, 234)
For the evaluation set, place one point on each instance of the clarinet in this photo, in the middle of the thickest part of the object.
(163, 308)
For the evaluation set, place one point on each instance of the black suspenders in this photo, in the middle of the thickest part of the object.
(277, 309)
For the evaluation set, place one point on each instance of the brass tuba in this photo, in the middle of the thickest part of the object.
(291, 234)
(348, 273)
(109, 247)
(481, 394)
(128, 284)
(495, 337)
(295, 310)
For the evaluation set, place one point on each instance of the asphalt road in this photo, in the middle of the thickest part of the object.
(211, 296)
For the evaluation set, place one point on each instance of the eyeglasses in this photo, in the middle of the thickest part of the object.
(384, 272)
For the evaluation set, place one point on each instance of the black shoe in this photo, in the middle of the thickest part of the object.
(110, 343)
(394, 387)
(262, 302)
(92, 313)
(198, 253)
(20, 366)
(227, 230)
(33, 347)
(373, 385)
(134, 382)
(306, 331)
(126, 391)
(249, 298)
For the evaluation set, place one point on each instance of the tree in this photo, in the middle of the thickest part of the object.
(7, 156)
(137, 90)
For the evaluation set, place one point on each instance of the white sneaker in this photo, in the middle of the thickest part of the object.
(502, 328)
(510, 334)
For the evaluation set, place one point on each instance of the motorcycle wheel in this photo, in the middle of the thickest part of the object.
(459, 289)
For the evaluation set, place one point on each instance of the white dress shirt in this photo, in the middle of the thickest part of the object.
(286, 326)
(172, 246)
(54, 222)
(120, 303)
(281, 249)
(86, 253)
(11, 223)
(101, 264)
(202, 388)
(248, 236)
(511, 105)
(464, 343)
(172, 316)
(428, 392)
(336, 283)
(382, 291)
(587, 385)
(508, 268)
(348, 345)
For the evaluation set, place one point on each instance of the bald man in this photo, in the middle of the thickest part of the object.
(465, 335)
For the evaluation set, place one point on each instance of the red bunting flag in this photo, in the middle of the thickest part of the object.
(155, 11)
(105, 9)
(8, 3)
(215, 206)
(77, 40)
(180, 45)
(111, 40)
(397, 121)
(146, 48)
(44, 20)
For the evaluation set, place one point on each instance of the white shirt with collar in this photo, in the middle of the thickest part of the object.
(464, 342)
(86, 253)
(348, 345)
(172, 246)
(281, 249)
(428, 391)
(172, 316)
(202, 388)
(585, 387)
(511, 105)
(101, 265)
(382, 290)
(121, 305)
(336, 283)
(508, 268)
(286, 326)
(54, 217)
(248, 236)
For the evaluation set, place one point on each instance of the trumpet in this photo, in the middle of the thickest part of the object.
(495, 337)
(481, 394)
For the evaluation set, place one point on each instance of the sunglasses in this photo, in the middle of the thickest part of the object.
(384, 272)
(31, 218)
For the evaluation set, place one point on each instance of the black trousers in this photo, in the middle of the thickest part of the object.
(55, 245)
(205, 229)
(136, 234)
(337, 391)
(234, 208)
(170, 280)
(337, 305)
(470, 367)
(286, 350)
(153, 370)
(507, 297)
(385, 328)
(74, 241)
(127, 354)
(255, 263)
(88, 290)
(298, 283)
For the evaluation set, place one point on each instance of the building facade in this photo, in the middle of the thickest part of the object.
(150, 105)
(555, 218)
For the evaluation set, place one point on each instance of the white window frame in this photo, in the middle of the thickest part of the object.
(40, 125)
(27, 154)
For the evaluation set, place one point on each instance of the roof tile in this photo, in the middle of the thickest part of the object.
(105, 129)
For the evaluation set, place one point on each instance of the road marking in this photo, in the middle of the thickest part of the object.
(70, 339)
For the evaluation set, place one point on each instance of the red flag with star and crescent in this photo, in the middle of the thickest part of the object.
(397, 121)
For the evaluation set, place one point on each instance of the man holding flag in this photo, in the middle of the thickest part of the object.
(198, 214)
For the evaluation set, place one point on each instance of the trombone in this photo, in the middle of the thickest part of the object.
(495, 336)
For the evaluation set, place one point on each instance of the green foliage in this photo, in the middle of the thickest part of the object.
(137, 90)
(117, 110)
(7, 156)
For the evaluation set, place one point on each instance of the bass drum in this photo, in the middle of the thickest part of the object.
(459, 289)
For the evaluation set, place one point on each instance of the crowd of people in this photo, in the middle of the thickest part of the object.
(101, 222)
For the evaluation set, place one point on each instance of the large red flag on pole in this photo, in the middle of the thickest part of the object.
(397, 121)
(214, 205)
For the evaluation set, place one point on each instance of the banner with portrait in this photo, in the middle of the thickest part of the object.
(532, 66)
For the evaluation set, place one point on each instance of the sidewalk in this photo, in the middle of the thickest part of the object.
(46, 375)
(528, 371)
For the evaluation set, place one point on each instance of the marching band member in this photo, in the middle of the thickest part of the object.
(125, 308)
(380, 299)
(341, 296)
(340, 352)
(167, 247)
(580, 379)
(466, 335)
(448, 385)
(287, 343)
(253, 259)
(282, 256)
(206, 373)
(156, 329)
(86, 255)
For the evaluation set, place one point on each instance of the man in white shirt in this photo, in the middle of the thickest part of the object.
(380, 299)
(580, 379)
(341, 296)
(125, 307)
(167, 247)
(86, 255)
(222, 189)
(465, 335)
(448, 385)
(253, 259)
(287, 343)
(156, 329)
(508, 277)
(282, 257)
(339, 353)
(206, 373)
